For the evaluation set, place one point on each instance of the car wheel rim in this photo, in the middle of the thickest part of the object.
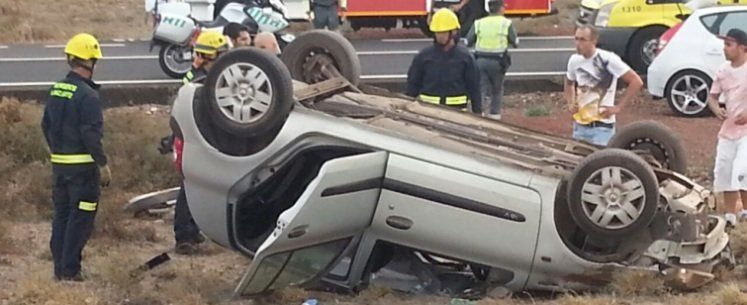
(243, 93)
(176, 61)
(649, 51)
(613, 198)
(655, 148)
(689, 94)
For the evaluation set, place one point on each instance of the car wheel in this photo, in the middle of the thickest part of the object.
(318, 55)
(687, 93)
(249, 94)
(642, 48)
(654, 138)
(613, 194)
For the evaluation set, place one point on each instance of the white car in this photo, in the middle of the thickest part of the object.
(686, 65)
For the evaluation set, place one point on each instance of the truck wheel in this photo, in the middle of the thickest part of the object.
(642, 48)
(687, 93)
(315, 55)
(655, 138)
(249, 94)
(613, 194)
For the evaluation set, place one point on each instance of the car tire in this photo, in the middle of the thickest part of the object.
(321, 45)
(171, 66)
(248, 94)
(643, 44)
(686, 94)
(657, 139)
(613, 194)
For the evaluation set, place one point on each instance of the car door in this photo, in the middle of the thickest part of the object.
(311, 236)
(460, 215)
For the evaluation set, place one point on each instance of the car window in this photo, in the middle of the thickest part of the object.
(721, 23)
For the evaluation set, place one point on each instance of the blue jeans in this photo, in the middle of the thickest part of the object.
(595, 135)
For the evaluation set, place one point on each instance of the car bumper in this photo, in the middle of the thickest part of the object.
(615, 39)
(655, 80)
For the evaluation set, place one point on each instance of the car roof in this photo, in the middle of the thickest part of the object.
(719, 9)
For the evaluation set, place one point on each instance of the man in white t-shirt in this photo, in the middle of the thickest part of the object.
(730, 171)
(590, 85)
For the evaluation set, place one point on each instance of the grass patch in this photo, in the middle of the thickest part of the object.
(537, 111)
(630, 283)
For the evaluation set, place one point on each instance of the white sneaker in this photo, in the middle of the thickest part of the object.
(496, 117)
(731, 218)
(742, 214)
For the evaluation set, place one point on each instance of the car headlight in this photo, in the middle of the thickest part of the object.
(603, 15)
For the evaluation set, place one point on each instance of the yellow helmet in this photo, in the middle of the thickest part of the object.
(444, 20)
(83, 46)
(211, 43)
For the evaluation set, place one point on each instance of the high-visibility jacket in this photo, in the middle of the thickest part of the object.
(492, 34)
(73, 124)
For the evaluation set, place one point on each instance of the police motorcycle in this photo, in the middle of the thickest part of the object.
(176, 26)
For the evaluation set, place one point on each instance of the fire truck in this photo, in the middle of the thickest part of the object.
(414, 13)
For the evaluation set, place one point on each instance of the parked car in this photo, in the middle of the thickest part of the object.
(687, 62)
(322, 184)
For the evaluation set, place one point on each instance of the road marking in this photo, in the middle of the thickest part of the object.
(509, 74)
(103, 45)
(106, 58)
(520, 38)
(103, 82)
(176, 81)
(413, 52)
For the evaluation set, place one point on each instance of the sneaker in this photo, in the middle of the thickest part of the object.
(496, 117)
(199, 239)
(731, 219)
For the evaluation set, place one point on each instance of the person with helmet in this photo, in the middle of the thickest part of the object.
(445, 73)
(208, 46)
(73, 128)
(491, 37)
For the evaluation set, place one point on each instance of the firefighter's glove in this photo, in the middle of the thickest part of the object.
(106, 175)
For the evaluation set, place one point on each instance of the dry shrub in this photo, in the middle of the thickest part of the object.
(7, 246)
(730, 294)
(113, 265)
(637, 283)
(738, 241)
(38, 287)
(570, 299)
(290, 295)
(186, 282)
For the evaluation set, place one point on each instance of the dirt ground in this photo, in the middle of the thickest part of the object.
(43, 21)
(122, 242)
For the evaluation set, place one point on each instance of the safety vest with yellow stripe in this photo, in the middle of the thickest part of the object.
(492, 34)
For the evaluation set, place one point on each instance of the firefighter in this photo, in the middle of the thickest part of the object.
(491, 37)
(73, 127)
(445, 73)
(208, 47)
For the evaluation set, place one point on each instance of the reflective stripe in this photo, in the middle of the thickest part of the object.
(87, 206)
(492, 34)
(450, 100)
(71, 159)
(66, 87)
(60, 93)
(188, 77)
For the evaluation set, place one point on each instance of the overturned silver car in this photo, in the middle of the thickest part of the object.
(322, 184)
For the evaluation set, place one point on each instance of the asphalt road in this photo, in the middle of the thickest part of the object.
(384, 60)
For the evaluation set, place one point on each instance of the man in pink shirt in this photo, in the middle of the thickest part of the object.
(730, 171)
